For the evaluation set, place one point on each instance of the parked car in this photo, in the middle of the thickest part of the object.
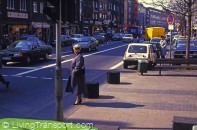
(180, 49)
(127, 38)
(77, 36)
(139, 51)
(25, 51)
(65, 41)
(99, 38)
(87, 43)
(155, 40)
(117, 36)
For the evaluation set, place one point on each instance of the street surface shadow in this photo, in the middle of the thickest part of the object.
(112, 104)
(106, 97)
(125, 83)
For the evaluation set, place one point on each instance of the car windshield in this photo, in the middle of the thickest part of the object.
(23, 45)
(182, 43)
(137, 49)
(117, 34)
(127, 35)
(77, 35)
(84, 39)
(155, 40)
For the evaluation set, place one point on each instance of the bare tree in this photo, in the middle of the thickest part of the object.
(183, 8)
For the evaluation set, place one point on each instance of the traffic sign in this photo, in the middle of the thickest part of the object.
(170, 27)
(170, 19)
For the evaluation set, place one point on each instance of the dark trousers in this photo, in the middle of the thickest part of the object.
(2, 79)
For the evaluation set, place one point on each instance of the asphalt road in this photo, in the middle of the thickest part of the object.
(31, 92)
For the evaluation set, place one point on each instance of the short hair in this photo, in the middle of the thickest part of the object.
(77, 46)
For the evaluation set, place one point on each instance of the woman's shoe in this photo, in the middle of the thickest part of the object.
(78, 102)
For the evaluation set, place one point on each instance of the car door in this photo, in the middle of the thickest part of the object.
(38, 52)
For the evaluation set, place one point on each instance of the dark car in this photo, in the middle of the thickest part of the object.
(87, 43)
(65, 41)
(99, 38)
(180, 49)
(25, 51)
(155, 40)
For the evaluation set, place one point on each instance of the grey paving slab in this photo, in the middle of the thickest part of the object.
(149, 102)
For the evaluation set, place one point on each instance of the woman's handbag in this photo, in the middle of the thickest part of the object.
(69, 89)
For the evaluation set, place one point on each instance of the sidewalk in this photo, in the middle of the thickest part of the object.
(148, 101)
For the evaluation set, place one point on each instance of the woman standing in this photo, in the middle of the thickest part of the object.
(163, 47)
(78, 73)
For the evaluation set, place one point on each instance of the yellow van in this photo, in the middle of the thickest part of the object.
(154, 32)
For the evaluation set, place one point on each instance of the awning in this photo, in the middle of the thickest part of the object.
(40, 25)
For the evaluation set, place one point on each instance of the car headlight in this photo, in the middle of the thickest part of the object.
(18, 55)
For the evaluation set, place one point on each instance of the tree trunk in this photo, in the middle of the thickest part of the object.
(189, 29)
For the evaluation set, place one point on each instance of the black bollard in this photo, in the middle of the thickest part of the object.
(92, 90)
(113, 77)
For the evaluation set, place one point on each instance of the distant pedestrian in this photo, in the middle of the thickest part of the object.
(163, 44)
(6, 83)
(78, 73)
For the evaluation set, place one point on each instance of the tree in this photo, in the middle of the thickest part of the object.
(184, 8)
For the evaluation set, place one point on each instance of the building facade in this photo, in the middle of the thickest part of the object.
(155, 18)
(20, 17)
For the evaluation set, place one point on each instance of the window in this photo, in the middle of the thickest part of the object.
(41, 7)
(23, 5)
(10, 4)
(35, 7)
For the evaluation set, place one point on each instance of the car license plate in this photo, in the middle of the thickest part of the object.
(6, 58)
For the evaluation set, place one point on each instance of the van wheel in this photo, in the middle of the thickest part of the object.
(125, 66)
(4, 62)
(46, 57)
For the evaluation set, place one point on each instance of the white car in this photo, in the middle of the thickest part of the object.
(127, 38)
(77, 36)
(139, 51)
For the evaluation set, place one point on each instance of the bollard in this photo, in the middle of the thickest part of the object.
(92, 90)
(113, 77)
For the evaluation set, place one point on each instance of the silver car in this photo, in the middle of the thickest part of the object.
(87, 43)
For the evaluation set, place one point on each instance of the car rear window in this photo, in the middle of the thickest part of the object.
(137, 49)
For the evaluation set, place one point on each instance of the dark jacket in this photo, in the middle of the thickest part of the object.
(78, 73)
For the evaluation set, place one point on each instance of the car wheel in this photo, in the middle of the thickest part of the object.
(46, 57)
(89, 49)
(125, 66)
(4, 62)
(95, 48)
(27, 60)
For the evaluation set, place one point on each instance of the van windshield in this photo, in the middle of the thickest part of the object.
(137, 49)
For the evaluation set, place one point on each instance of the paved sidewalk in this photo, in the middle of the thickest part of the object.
(148, 101)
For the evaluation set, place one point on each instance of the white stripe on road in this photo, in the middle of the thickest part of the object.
(31, 77)
(65, 61)
(30, 68)
(116, 66)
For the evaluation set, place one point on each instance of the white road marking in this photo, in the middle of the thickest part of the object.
(46, 78)
(16, 76)
(32, 77)
(116, 66)
(65, 61)
(21, 67)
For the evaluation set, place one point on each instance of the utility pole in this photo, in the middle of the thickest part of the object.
(58, 69)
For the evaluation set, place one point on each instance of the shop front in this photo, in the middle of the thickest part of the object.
(41, 30)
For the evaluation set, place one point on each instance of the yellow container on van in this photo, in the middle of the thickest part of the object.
(154, 32)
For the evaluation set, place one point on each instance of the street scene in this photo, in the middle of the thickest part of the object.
(98, 65)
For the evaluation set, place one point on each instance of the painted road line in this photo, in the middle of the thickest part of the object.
(65, 61)
(32, 77)
(116, 66)
(17, 76)
(30, 68)
(46, 78)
